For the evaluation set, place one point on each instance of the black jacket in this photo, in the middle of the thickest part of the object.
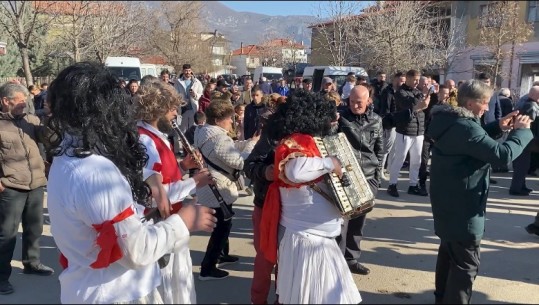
(255, 166)
(387, 101)
(413, 122)
(365, 134)
(251, 119)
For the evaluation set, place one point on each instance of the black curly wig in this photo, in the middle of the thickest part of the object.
(304, 112)
(88, 104)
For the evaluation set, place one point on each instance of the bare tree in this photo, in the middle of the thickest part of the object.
(331, 32)
(175, 34)
(21, 21)
(501, 28)
(116, 28)
(397, 37)
(450, 38)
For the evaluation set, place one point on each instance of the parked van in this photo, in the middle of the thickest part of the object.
(271, 73)
(337, 73)
(148, 69)
(126, 68)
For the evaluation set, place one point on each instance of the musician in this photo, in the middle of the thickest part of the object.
(462, 155)
(224, 158)
(363, 129)
(155, 109)
(312, 268)
(95, 190)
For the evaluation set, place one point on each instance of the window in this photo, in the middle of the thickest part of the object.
(488, 17)
(533, 13)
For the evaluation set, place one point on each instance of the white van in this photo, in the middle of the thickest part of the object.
(149, 69)
(270, 73)
(337, 73)
(126, 68)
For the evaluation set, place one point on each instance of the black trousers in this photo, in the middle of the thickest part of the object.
(352, 233)
(217, 242)
(456, 268)
(425, 155)
(17, 206)
(521, 166)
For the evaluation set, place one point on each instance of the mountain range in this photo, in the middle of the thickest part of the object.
(252, 28)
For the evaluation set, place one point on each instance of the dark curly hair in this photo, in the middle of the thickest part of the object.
(304, 112)
(88, 104)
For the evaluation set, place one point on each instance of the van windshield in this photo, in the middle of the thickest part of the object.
(272, 76)
(126, 73)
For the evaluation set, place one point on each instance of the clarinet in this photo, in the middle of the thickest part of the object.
(227, 210)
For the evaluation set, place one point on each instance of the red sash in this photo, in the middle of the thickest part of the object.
(296, 145)
(107, 240)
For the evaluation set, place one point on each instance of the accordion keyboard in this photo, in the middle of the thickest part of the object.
(354, 195)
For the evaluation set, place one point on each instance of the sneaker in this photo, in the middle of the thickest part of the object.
(5, 287)
(38, 269)
(214, 274)
(416, 190)
(358, 268)
(226, 260)
(392, 190)
(532, 229)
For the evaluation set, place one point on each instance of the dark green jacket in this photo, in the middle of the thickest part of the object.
(462, 155)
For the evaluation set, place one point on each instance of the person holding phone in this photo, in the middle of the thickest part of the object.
(462, 156)
(252, 114)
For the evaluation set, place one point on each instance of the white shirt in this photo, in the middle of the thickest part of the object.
(176, 191)
(346, 89)
(91, 190)
(304, 209)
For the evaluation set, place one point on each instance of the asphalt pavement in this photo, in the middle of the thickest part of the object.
(400, 248)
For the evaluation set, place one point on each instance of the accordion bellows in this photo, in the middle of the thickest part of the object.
(352, 196)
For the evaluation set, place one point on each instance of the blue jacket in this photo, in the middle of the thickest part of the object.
(494, 112)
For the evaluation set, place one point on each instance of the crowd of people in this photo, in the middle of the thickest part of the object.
(124, 193)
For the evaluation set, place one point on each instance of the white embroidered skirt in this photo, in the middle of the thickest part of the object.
(153, 298)
(312, 270)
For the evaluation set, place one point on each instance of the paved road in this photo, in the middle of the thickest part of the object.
(400, 248)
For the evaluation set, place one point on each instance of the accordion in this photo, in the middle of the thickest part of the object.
(351, 194)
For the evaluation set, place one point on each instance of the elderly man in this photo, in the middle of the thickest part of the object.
(22, 181)
(521, 165)
(245, 96)
(462, 154)
(363, 129)
(450, 84)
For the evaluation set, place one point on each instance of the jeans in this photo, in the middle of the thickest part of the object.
(16, 206)
(456, 269)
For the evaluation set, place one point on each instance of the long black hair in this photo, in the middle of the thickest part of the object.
(304, 112)
(92, 114)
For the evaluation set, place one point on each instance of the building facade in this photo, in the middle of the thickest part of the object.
(520, 68)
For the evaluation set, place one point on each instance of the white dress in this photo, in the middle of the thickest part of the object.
(177, 285)
(87, 191)
(312, 268)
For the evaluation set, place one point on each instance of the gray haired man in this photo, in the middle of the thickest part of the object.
(22, 181)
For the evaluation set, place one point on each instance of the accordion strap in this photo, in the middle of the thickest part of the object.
(317, 189)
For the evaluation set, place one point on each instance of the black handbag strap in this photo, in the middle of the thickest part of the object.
(218, 168)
